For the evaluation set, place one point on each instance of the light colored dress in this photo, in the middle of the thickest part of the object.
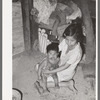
(73, 57)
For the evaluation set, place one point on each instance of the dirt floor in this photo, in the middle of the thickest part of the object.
(24, 75)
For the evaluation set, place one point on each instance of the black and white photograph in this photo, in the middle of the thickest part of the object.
(54, 54)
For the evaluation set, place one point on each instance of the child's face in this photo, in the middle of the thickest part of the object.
(70, 40)
(52, 56)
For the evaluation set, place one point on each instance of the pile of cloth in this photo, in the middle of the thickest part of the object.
(45, 8)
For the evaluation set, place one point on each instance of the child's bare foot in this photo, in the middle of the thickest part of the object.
(72, 86)
(46, 91)
(38, 87)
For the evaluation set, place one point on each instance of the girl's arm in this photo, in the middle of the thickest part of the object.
(62, 67)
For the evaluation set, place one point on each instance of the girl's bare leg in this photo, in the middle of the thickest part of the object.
(70, 84)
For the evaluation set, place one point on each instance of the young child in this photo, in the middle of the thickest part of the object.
(49, 63)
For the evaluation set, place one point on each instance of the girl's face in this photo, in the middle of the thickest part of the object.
(52, 56)
(70, 40)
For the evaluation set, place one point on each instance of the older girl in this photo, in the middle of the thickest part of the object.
(70, 56)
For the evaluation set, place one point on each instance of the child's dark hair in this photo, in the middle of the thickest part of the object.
(75, 30)
(53, 46)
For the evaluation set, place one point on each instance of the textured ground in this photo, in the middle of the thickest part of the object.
(24, 77)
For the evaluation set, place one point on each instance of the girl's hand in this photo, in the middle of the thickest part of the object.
(46, 72)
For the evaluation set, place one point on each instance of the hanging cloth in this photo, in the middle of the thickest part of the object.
(45, 8)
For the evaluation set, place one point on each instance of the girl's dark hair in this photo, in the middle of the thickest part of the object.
(53, 46)
(75, 30)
